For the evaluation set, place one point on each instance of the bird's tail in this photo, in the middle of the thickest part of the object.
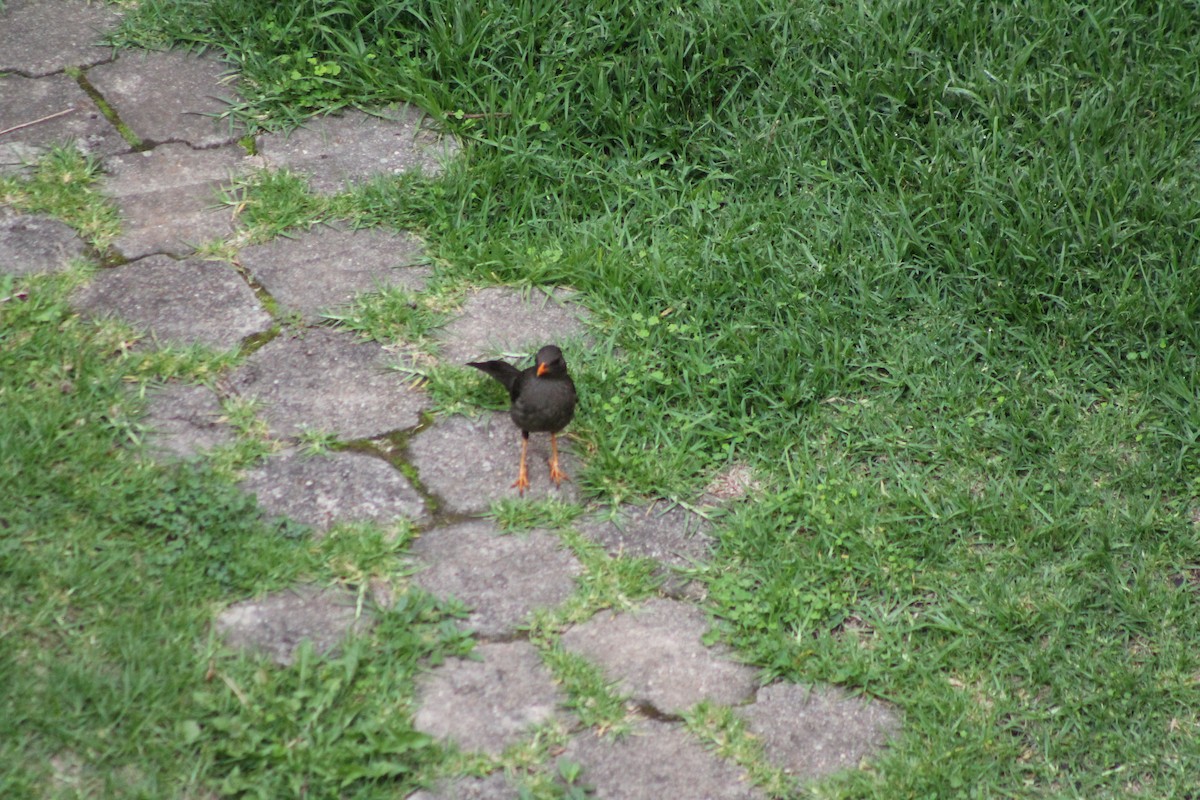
(502, 371)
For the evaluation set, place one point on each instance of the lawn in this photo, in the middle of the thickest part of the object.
(930, 270)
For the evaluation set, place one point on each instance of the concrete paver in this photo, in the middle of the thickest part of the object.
(494, 787)
(27, 100)
(470, 463)
(488, 704)
(184, 421)
(34, 243)
(657, 655)
(502, 578)
(324, 268)
(275, 625)
(170, 96)
(41, 37)
(670, 534)
(177, 302)
(814, 731)
(168, 197)
(657, 760)
(501, 320)
(323, 489)
(326, 380)
(336, 153)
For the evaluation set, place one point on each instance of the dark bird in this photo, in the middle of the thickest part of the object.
(543, 400)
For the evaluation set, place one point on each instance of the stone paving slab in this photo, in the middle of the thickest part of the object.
(469, 463)
(814, 731)
(45, 36)
(26, 100)
(337, 152)
(494, 787)
(323, 489)
(184, 421)
(670, 534)
(501, 577)
(168, 197)
(329, 380)
(486, 705)
(656, 654)
(321, 269)
(276, 624)
(177, 302)
(502, 320)
(172, 96)
(34, 243)
(656, 761)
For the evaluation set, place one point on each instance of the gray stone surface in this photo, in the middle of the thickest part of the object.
(24, 101)
(502, 578)
(657, 654)
(494, 787)
(276, 624)
(489, 704)
(38, 37)
(32, 243)
(813, 731)
(328, 380)
(168, 197)
(469, 463)
(170, 96)
(335, 153)
(502, 320)
(656, 761)
(667, 533)
(320, 490)
(177, 302)
(184, 421)
(321, 269)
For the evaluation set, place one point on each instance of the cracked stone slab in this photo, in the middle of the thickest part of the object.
(488, 704)
(45, 36)
(502, 578)
(657, 654)
(168, 197)
(500, 320)
(670, 534)
(30, 99)
(177, 302)
(321, 269)
(320, 490)
(656, 760)
(812, 732)
(469, 463)
(276, 624)
(33, 243)
(171, 96)
(185, 421)
(494, 787)
(329, 380)
(334, 153)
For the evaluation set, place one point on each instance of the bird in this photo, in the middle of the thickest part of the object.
(543, 400)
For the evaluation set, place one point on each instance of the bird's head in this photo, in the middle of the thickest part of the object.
(550, 362)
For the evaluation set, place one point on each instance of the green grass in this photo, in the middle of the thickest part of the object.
(930, 270)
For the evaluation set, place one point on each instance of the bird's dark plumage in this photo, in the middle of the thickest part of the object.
(543, 400)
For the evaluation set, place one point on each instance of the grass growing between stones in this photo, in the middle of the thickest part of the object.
(929, 270)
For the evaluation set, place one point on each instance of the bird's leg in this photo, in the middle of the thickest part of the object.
(556, 474)
(522, 482)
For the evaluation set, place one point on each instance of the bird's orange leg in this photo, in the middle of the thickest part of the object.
(522, 482)
(556, 474)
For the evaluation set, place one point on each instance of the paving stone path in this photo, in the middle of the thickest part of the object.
(304, 379)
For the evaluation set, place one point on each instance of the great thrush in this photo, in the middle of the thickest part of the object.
(543, 400)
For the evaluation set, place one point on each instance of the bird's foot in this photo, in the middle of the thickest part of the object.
(521, 483)
(557, 475)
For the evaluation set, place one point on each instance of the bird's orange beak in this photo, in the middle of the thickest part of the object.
(542, 369)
